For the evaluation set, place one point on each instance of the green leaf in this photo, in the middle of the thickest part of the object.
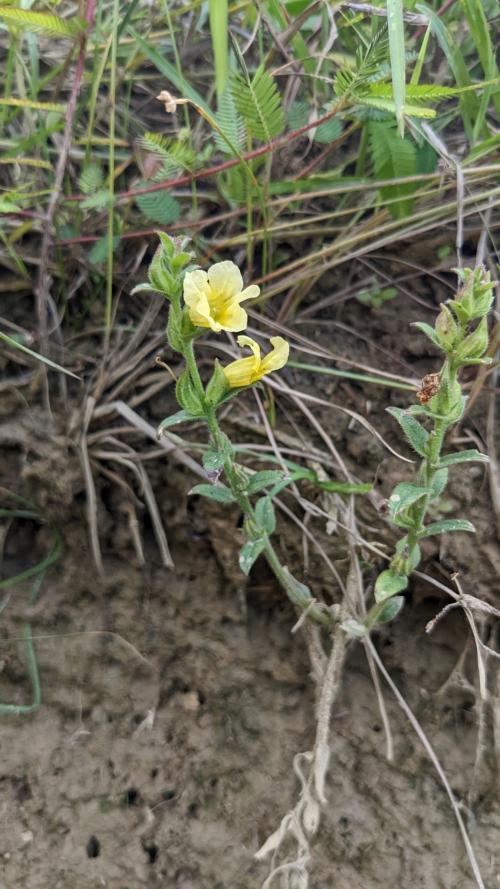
(213, 461)
(413, 430)
(249, 553)
(231, 124)
(264, 479)
(259, 103)
(390, 106)
(265, 515)
(397, 56)
(388, 584)
(344, 487)
(168, 70)
(187, 395)
(179, 417)
(388, 610)
(91, 179)
(404, 495)
(217, 386)
(393, 158)
(96, 201)
(445, 526)
(219, 493)
(17, 345)
(354, 628)
(471, 456)
(439, 482)
(159, 206)
(99, 251)
(329, 131)
(41, 22)
(219, 27)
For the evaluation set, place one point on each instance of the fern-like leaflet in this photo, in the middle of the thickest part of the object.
(42, 22)
(258, 101)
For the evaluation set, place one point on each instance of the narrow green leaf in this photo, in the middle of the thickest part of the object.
(414, 431)
(214, 492)
(249, 553)
(471, 456)
(179, 417)
(388, 584)
(219, 26)
(17, 345)
(264, 479)
(183, 87)
(397, 55)
(446, 526)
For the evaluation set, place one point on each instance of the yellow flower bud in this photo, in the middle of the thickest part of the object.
(246, 371)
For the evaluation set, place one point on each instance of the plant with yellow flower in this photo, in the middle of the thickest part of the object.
(214, 300)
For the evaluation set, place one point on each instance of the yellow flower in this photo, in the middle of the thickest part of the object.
(246, 371)
(214, 298)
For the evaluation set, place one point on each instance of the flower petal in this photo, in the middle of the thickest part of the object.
(225, 280)
(251, 292)
(240, 373)
(247, 341)
(200, 314)
(195, 284)
(233, 317)
(278, 357)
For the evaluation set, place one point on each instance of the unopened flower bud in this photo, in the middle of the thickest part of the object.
(446, 329)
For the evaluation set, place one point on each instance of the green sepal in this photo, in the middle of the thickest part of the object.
(217, 386)
(474, 346)
(428, 331)
(404, 495)
(167, 245)
(417, 436)
(446, 526)
(447, 329)
(389, 584)
(218, 492)
(250, 552)
(187, 396)
(470, 456)
(265, 515)
(175, 335)
(179, 417)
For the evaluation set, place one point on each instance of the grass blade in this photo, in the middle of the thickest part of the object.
(397, 56)
(217, 10)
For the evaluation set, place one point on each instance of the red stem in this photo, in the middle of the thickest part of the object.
(226, 165)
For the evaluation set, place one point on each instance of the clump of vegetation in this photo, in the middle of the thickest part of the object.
(311, 140)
